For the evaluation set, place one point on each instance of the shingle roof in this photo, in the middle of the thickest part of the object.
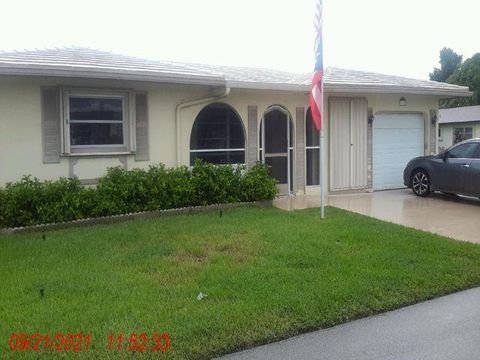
(89, 63)
(460, 114)
(84, 62)
(342, 80)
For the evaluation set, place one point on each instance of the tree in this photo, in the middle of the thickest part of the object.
(467, 74)
(449, 62)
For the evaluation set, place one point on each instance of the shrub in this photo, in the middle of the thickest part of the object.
(257, 184)
(30, 201)
(216, 184)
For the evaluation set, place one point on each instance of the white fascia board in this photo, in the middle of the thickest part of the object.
(114, 74)
(392, 89)
(354, 88)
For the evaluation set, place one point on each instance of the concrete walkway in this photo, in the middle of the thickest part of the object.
(443, 328)
(458, 218)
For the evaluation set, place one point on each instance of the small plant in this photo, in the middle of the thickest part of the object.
(31, 201)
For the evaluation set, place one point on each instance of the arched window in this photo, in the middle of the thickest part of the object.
(217, 136)
(312, 147)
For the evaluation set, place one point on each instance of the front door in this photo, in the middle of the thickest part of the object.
(348, 146)
(276, 152)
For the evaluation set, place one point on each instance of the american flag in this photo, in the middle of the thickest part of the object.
(316, 96)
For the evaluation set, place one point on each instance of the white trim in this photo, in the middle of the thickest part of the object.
(95, 121)
(215, 150)
(128, 121)
(353, 88)
(96, 146)
(113, 153)
(91, 72)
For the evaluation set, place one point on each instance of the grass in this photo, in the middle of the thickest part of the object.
(268, 274)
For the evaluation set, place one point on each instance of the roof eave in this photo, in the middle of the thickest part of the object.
(354, 88)
(393, 89)
(267, 86)
(117, 74)
(457, 122)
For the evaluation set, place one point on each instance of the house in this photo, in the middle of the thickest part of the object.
(76, 112)
(458, 124)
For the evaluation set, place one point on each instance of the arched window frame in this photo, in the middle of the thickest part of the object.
(290, 138)
(228, 150)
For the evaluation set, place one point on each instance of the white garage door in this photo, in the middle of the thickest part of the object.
(397, 138)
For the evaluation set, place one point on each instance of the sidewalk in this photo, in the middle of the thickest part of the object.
(443, 328)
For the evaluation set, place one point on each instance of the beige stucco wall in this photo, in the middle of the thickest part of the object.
(240, 100)
(21, 132)
(20, 123)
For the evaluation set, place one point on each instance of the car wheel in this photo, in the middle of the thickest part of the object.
(420, 183)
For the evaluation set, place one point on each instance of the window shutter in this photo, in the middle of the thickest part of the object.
(50, 125)
(252, 136)
(141, 127)
(300, 148)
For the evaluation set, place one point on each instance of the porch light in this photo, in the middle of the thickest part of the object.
(403, 101)
(371, 117)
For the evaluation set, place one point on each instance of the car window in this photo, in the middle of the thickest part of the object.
(464, 151)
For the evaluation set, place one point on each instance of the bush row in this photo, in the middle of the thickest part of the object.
(30, 201)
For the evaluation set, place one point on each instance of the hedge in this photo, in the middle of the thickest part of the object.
(31, 201)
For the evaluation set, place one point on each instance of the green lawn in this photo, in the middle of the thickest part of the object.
(268, 274)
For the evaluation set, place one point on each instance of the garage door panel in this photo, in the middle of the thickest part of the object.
(397, 138)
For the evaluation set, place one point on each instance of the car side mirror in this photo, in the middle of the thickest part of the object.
(445, 155)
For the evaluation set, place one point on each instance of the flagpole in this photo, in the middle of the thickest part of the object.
(317, 96)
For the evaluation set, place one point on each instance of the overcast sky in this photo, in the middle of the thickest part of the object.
(392, 37)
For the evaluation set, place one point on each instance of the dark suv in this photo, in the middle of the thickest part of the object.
(454, 171)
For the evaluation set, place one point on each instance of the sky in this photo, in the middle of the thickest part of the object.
(392, 37)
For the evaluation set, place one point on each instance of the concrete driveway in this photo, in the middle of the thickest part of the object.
(458, 218)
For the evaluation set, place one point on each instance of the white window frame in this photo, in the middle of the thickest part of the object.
(230, 150)
(128, 121)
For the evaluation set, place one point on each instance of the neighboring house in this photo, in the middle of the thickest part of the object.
(458, 124)
(76, 112)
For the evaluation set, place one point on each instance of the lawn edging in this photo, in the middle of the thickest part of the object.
(112, 219)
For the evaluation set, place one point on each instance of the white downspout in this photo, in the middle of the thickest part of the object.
(185, 104)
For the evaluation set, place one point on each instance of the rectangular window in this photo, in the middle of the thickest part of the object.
(462, 133)
(96, 122)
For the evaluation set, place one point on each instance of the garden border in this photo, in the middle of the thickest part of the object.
(112, 219)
